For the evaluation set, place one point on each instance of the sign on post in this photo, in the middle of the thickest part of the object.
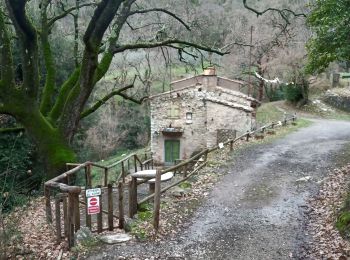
(93, 192)
(93, 204)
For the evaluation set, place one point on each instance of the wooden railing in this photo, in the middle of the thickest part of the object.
(70, 197)
(68, 193)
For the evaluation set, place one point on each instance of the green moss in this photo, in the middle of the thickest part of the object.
(50, 84)
(145, 215)
(343, 221)
(185, 185)
(146, 206)
(51, 143)
(343, 224)
(103, 66)
(64, 92)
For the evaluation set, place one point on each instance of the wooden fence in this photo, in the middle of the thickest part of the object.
(67, 191)
(69, 200)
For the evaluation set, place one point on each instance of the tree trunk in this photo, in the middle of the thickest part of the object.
(51, 144)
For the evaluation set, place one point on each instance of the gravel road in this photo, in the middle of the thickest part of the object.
(256, 209)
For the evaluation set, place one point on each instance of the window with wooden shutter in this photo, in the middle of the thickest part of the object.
(174, 111)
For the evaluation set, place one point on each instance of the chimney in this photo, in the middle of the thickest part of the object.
(210, 80)
(209, 71)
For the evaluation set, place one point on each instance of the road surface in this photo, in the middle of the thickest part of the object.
(256, 210)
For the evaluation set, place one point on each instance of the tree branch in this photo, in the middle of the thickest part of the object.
(163, 11)
(6, 61)
(101, 19)
(28, 38)
(282, 12)
(50, 80)
(11, 130)
(101, 102)
(107, 58)
(67, 12)
(169, 42)
(63, 95)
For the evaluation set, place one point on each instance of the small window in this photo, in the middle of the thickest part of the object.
(189, 117)
(174, 111)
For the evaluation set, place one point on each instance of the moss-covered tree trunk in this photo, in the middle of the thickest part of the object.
(52, 146)
(50, 113)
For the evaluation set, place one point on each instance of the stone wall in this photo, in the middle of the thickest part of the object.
(223, 117)
(194, 133)
(211, 110)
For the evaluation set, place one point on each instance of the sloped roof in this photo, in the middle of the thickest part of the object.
(230, 104)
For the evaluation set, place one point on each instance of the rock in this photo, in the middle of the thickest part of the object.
(178, 192)
(128, 224)
(83, 234)
(115, 239)
(304, 179)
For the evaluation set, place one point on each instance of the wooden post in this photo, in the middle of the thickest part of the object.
(273, 125)
(87, 216)
(106, 177)
(65, 216)
(157, 200)
(69, 180)
(110, 207)
(99, 215)
(76, 212)
(151, 188)
(248, 135)
(88, 176)
(135, 163)
(231, 146)
(121, 204)
(133, 197)
(70, 220)
(206, 156)
(123, 172)
(58, 219)
(48, 204)
(185, 170)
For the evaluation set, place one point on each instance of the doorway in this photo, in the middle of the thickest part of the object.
(172, 151)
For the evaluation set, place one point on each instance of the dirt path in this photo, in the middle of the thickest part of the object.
(256, 210)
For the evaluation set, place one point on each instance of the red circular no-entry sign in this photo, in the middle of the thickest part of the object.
(93, 201)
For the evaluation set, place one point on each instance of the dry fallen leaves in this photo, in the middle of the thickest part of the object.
(325, 242)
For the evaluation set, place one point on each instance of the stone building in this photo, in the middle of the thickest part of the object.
(198, 112)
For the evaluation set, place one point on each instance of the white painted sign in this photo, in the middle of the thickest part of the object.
(93, 204)
(93, 192)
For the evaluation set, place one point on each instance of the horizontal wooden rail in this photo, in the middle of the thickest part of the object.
(174, 184)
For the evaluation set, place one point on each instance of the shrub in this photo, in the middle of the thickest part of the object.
(18, 176)
(293, 92)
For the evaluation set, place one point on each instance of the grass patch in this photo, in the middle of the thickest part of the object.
(268, 113)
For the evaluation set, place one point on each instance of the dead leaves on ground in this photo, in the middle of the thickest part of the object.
(324, 240)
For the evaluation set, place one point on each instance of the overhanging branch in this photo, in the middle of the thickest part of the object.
(169, 43)
(118, 92)
(163, 11)
(67, 12)
(282, 12)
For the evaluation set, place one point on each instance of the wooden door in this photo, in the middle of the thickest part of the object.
(172, 151)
